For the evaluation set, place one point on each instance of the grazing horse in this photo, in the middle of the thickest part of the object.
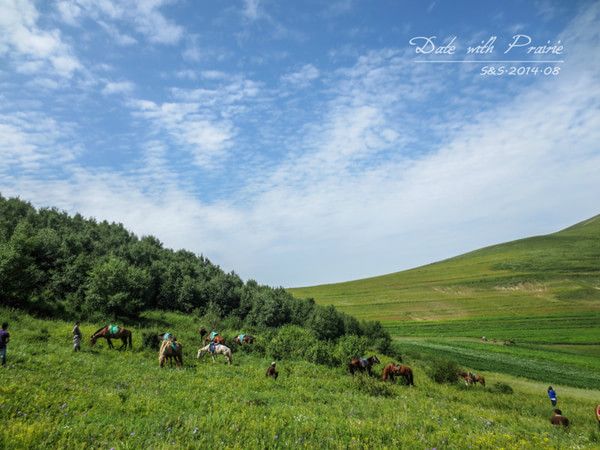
(243, 339)
(219, 349)
(109, 333)
(392, 370)
(362, 364)
(558, 419)
(213, 336)
(272, 371)
(472, 378)
(170, 349)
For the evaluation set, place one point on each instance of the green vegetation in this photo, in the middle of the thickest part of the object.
(541, 292)
(55, 265)
(51, 397)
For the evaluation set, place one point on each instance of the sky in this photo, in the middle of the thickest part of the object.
(306, 142)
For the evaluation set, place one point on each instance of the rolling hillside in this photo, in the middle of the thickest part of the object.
(542, 292)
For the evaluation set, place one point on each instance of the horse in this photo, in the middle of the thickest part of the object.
(170, 349)
(216, 337)
(245, 339)
(472, 378)
(362, 364)
(558, 419)
(219, 349)
(108, 334)
(398, 370)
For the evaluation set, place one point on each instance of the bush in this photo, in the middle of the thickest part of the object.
(373, 387)
(444, 371)
(291, 342)
(501, 388)
(349, 347)
(150, 340)
(320, 353)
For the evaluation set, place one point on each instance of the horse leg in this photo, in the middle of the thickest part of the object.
(110, 345)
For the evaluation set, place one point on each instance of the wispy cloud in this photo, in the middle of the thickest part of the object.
(30, 47)
(303, 77)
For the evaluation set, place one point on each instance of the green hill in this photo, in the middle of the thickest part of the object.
(543, 292)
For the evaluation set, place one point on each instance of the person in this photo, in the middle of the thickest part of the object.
(76, 338)
(4, 338)
(272, 372)
(552, 395)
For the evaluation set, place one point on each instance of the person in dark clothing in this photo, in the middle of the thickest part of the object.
(4, 338)
(76, 338)
(552, 396)
(272, 372)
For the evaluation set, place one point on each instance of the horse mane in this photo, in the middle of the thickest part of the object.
(98, 330)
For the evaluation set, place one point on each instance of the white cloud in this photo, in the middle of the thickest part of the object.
(303, 77)
(31, 48)
(251, 10)
(118, 87)
(143, 15)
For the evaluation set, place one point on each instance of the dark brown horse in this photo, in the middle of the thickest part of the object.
(398, 370)
(218, 339)
(108, 334)
(362, 364)
(558, 419)
(472, 378)
(243, 339)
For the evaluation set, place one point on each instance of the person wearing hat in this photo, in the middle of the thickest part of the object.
(272, 372)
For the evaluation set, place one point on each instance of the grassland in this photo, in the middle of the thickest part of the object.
(542, 292)
(98, 398)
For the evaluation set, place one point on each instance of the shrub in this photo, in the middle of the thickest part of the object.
(349, 347)
(501, 388)
(291, 341)
(320, 353)
(444, 371)
(373, 387)
(150, 340)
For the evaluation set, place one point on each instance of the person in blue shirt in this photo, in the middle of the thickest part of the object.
(552, 396)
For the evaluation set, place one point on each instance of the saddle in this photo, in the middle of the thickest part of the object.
(363, 362)
(113, 329)
(241, 337)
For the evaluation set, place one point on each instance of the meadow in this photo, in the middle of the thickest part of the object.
(542, 292)
(51, 397)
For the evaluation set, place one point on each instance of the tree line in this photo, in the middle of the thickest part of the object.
(55, 264)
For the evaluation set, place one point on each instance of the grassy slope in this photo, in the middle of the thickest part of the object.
(542, 291)
(52, 398)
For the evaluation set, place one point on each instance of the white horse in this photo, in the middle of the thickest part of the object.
(220, 349)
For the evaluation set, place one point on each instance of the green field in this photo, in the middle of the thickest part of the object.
(100, 398)
(542, 292)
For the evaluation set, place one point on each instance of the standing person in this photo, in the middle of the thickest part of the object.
(76, 338)
(4, 338)
(552, 396)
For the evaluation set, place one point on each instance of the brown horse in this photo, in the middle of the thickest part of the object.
(472, 378)
(108, 334)
(170, 349)
(243, 339)
(362, 364)
(398, 370)
(558, 419)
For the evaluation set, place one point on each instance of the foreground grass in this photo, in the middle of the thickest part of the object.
(52, 398)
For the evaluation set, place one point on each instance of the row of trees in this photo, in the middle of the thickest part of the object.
(55, 264)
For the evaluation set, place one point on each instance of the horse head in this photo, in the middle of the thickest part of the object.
(374, 359)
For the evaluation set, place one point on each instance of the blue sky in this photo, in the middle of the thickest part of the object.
(302, 142)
